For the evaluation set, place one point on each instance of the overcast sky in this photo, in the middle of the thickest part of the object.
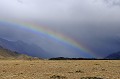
(94, 23)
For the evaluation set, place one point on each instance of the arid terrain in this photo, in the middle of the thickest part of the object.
(62, 69)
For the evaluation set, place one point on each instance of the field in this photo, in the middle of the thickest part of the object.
(62, 69)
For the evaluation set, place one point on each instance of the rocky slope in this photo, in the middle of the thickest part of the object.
(8, 54)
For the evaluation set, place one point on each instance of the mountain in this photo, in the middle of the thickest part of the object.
(5, 53)
(114, 56)
(24, 48)
(8, 54)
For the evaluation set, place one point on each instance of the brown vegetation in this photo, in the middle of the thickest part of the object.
(61, 69)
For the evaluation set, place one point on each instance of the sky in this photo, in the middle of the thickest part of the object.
(93, 24)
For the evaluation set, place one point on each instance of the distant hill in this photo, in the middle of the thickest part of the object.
(114, 56)
(24, 48)
(64, 58)
(8, 54)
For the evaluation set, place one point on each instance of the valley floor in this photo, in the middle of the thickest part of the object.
(62, 69)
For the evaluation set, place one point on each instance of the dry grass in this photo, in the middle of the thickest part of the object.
(46, 69)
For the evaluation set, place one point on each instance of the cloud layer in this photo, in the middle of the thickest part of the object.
(92, 23)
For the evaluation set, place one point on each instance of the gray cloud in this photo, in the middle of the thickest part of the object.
(88, 22)
(20, 1)
(112, 2)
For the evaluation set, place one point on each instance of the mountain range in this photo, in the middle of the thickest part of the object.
(114, 56)
(29, 50)
(23, 48)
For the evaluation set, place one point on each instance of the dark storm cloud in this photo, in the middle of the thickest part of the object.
(12, 32)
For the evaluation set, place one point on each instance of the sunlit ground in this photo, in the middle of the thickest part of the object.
(48, 69)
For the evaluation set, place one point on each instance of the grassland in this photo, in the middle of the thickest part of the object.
(62, 69)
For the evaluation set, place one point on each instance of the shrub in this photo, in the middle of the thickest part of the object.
(91, 78)
(58, 77)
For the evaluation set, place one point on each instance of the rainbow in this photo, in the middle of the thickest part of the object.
(34, 27)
